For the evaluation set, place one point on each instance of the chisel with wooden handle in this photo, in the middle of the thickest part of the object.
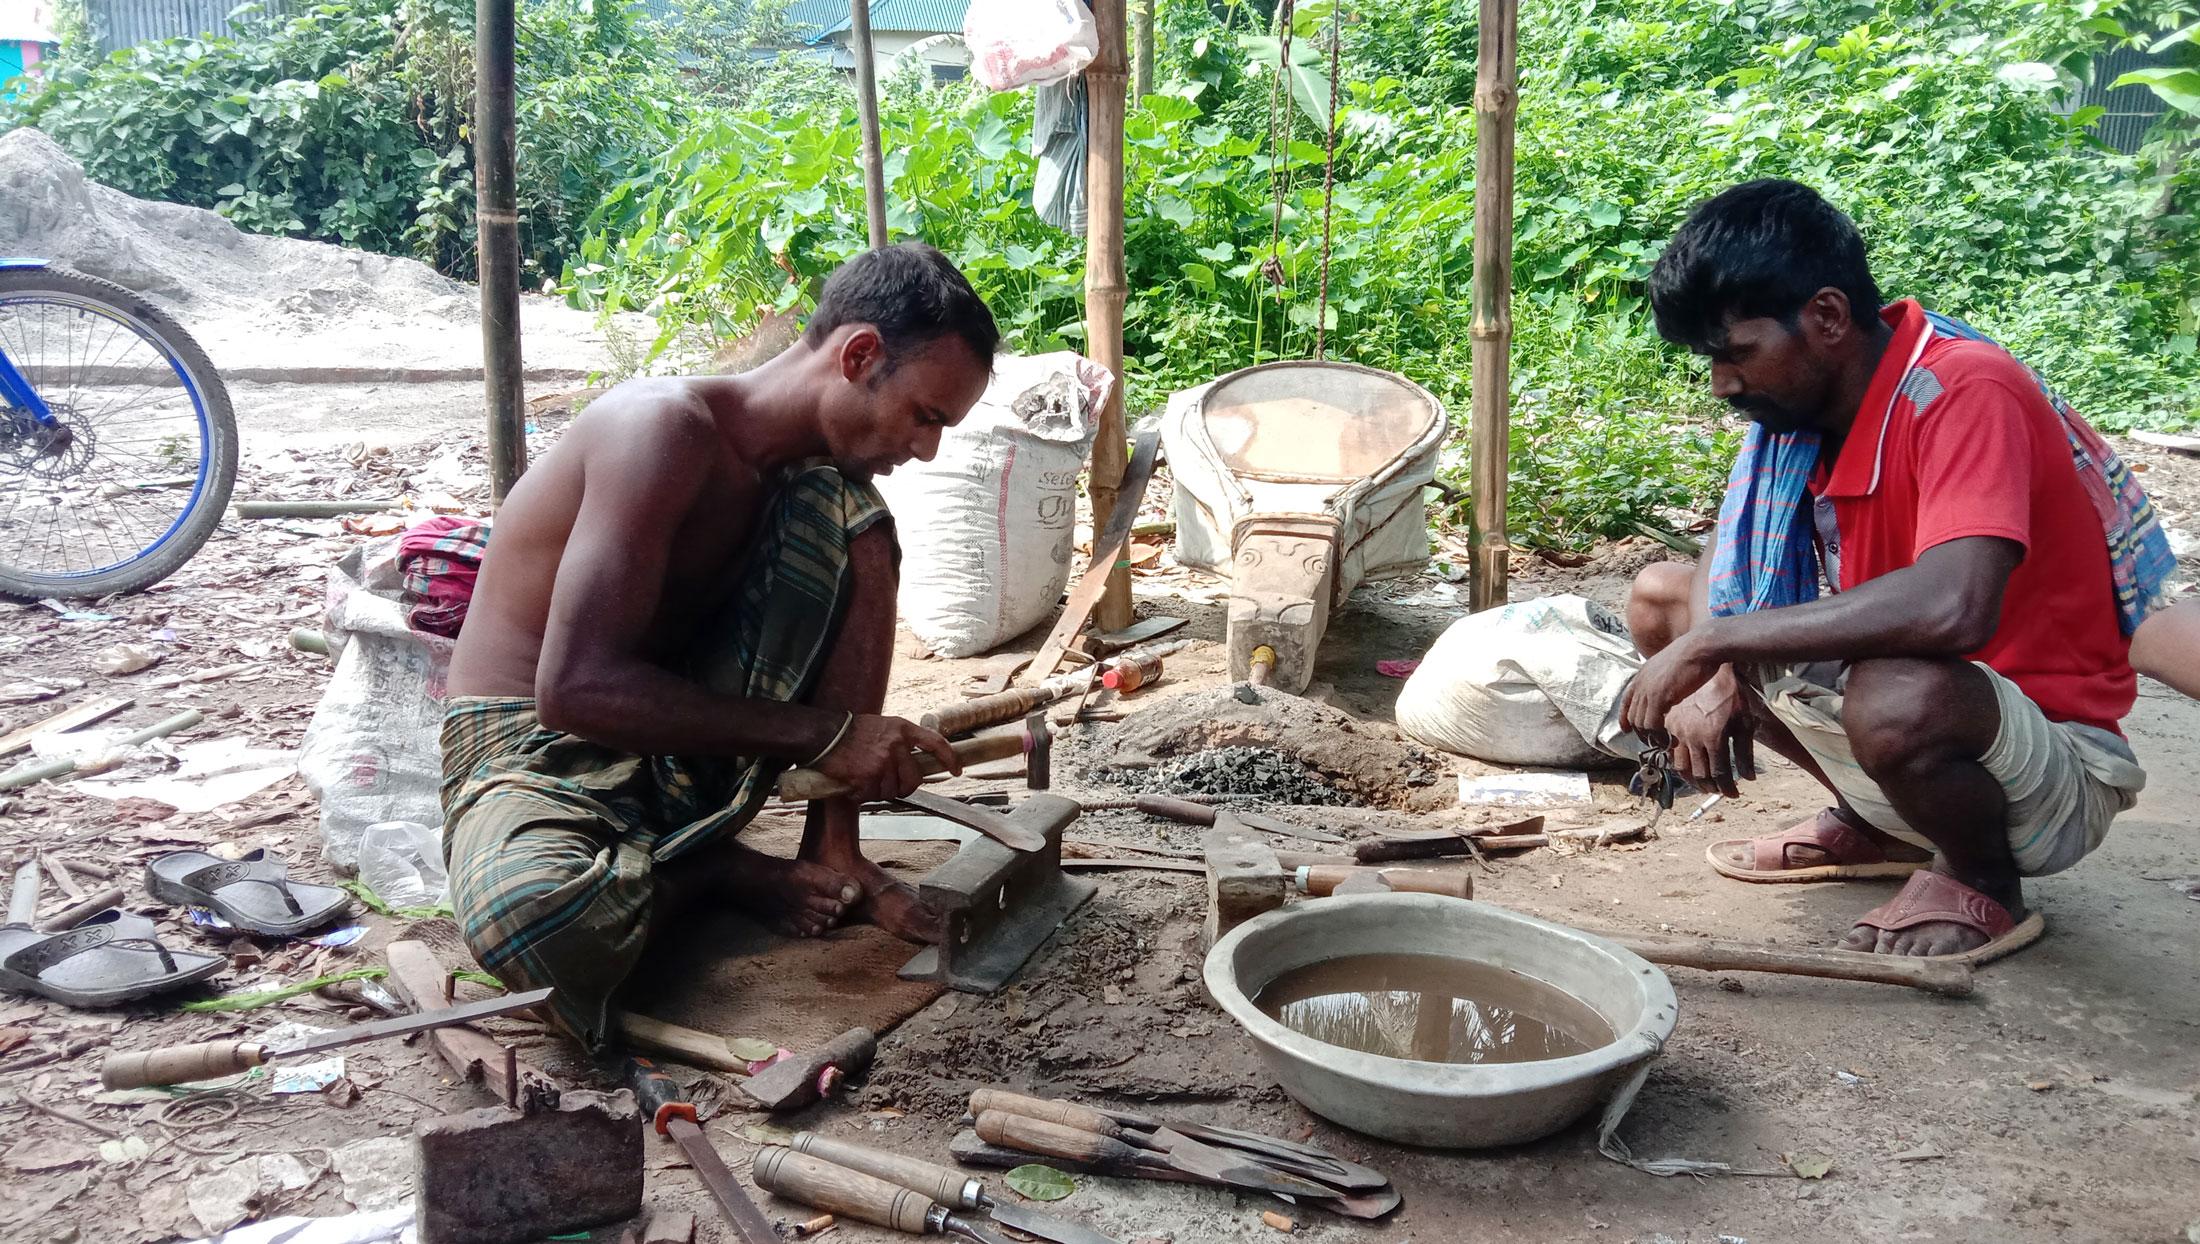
(181, 1064)
(836, 1189)
(943, 1184)
(1278, 1154)
(1145, 1154)
(1324, 879)
(796, 785)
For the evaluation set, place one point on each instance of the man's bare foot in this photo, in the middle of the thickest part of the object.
(1742, 855)
(891, 905)
(797, 897)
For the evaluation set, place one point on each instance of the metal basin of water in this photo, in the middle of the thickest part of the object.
(1444, 1105)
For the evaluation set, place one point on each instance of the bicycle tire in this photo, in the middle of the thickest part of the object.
(182, 541)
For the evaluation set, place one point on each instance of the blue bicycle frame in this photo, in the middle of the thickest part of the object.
(15, 387)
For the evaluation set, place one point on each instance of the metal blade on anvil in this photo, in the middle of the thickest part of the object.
(1300, 1159)
(986, 821)
(1046, 1226)
(403, 1025)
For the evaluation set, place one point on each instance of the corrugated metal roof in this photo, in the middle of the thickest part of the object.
(931, 17)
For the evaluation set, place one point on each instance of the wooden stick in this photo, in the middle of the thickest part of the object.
(61, 877)
(689, 1045)
(419, 979)
(24, 775)
(67, 719)
(1496, 99)
(83, 909)
(1106, 289)
(1711, 955)
(314, 509)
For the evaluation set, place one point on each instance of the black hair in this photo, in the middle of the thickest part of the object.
(1760, 250)
(913, 295)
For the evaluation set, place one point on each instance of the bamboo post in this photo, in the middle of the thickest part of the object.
(1495, 103)
(496, 217)
(1105, 287)
(874, 161)
(1142, 51)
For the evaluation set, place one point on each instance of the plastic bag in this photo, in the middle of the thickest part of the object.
(1019, 43)
(402, 862)
(1534, 683)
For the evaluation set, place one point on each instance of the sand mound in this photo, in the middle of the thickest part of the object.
(194, 259)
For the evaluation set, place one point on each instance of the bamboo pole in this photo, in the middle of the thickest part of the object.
(496, 218)
(1495, 103)
(874, 161)
(1105, 287)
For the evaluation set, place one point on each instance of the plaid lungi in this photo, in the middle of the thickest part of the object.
(551, 839)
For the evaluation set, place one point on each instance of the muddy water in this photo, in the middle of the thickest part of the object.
(1432, 1008)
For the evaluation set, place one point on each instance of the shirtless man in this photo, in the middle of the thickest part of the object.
(1958, 692)
(693, 591)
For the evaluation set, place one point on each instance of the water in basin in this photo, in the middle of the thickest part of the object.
(1432, 1008)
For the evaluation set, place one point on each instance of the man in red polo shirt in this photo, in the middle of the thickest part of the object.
(1958, 687)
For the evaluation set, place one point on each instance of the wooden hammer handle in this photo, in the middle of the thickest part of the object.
(1324, 879)
(943, 1184)
(837, 1190)
(1066, 1113)
(796, 785)
(179, 1064)
(1936, 976)
(1016, 1131)
(1182, 810)
(989, 710)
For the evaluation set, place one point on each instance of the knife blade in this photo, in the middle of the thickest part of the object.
(985, 820)
(1046, 1226)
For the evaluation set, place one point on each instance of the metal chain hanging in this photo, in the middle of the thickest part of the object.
(1279, 147)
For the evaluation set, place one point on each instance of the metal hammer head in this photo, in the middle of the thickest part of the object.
(793, 1083)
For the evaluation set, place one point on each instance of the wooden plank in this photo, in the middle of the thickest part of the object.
(1496, 100)
(1108, 549)
(67, 719)
(420, 980)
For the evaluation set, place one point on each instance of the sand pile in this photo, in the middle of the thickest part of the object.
(195, 261)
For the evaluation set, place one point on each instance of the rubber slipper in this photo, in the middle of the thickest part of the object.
(1855, 856)
(109, 959)
(254, 893)
(1936, 898)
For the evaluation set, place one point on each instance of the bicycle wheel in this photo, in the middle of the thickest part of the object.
(133, 470)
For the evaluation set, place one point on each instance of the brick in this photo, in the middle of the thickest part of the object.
(495, 1176)
(1244, 879)
(669, 1228)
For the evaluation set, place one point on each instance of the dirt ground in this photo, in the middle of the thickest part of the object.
(2057, 1103)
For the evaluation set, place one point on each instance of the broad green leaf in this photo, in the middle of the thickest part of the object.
(2030, 74)
(1174, 210)
(751, 1048)
(1201, 275)
(2179, 88)
(1039, 1182)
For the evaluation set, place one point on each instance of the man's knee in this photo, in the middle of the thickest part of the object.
(1900, 711)
(1658, 605)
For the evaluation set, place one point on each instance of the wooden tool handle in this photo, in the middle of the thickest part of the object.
(697, 1049)
(988, 710)
(1176, 809)
(796, 785)
(179, 1064)
(1324, 879)
(944, 1184)
(1942, 977)
(836, 1189)
(1066, 1113)
(1016, 1131)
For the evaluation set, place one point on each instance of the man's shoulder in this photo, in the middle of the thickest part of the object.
(1951, 362)
(656, 411)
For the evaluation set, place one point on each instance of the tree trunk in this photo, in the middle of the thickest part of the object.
(1495, 102)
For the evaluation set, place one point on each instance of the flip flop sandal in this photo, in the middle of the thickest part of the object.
(1856, 857)
(1936, 898)
(109, 959)
(254, 893)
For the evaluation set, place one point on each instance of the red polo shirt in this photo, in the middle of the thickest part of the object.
(1955, 439)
